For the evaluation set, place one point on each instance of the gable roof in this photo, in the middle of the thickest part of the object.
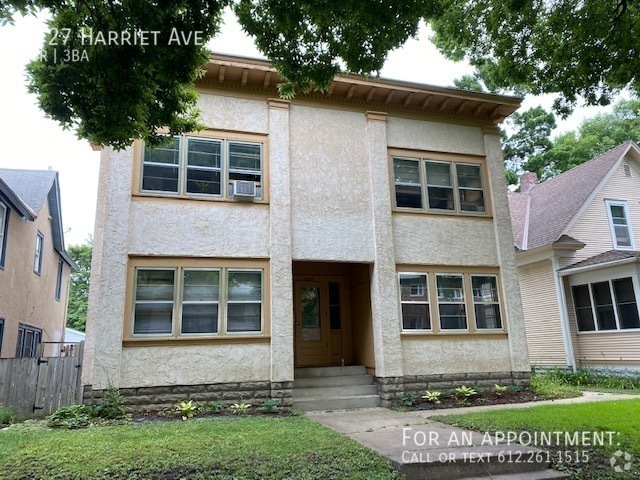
(606, 258)
(32, 188)
(553, 204)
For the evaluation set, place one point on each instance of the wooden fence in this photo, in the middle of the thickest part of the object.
(42, 385)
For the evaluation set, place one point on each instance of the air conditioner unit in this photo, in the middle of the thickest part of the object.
(244, 188)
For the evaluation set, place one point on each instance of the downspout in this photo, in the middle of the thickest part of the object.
(564, 314)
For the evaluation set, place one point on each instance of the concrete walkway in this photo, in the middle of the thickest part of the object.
(422, 448)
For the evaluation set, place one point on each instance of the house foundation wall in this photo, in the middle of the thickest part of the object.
(146, 399)
(392, 389)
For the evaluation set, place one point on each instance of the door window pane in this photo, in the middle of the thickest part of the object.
(335, 319)
(584, 313)
(604, 306)
(626, 303)
(311, 321)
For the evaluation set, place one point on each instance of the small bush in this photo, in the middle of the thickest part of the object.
(212, 407)
(75, 416)
(7, 415)
(409, 399)
(112, 405)
(550, 388)
(240, 408)
(500, 389)
(186, 410)
(269, 406)
(433, 397)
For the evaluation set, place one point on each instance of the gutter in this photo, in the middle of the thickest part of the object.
(597, 266)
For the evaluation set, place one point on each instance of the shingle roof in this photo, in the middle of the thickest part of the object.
(606, 257)
(554, 203)
(32, 186)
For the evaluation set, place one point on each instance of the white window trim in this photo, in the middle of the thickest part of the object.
(499, 303)
(624, 205)
(453, 186)
(428, 302)
(3, 221)
(464, 303)
(184, 163)
(37, 259)
(597, 331)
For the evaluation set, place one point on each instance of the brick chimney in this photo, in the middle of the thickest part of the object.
(528, 180)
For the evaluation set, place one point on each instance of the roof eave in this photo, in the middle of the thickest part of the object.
(16, 202)
(614, 263)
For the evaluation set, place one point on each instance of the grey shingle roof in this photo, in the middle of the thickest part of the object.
(606, 257)
(32, 186)
(554, 203)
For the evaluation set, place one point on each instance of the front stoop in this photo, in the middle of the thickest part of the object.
(334, 388)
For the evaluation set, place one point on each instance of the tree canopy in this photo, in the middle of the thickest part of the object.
(79, 290)
(113, 93)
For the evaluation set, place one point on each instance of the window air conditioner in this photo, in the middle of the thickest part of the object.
(244, 188)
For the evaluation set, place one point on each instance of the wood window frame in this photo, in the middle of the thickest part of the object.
(422, 157)
(225, 137)
(467, 272)
(179, 264)
(421, 302)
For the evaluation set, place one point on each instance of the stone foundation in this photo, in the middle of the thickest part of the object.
(392, 389)
(145, 399)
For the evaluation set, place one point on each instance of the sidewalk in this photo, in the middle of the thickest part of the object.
(422, 448)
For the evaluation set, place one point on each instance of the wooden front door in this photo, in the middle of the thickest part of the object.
(313, 339)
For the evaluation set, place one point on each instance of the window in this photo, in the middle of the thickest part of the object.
(453, 187)
(486, 303)
(29, 338)
(606, 306)
(37, 261)
(59, 279)
(414, 301)
(451, 302)
(204, 167)
(4, 223)
(1, 334)
(620, 226)
(188, 301)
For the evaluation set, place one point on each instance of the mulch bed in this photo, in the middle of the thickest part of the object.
(450, 400)
(156, 416)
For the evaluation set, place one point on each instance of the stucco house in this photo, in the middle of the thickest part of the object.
(34, 265)
(579, 263)
(335, 250)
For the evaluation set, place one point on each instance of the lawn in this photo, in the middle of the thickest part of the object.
(619, 416)
(221, 448)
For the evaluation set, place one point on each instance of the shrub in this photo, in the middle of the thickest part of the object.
(240, 408)
(186, 409)
(500, 390)
(112, 405)
(212, 407)
(433, 397)
(550, 387)
(7, 415)
(269, 406)
(75, 416)
(409, 399)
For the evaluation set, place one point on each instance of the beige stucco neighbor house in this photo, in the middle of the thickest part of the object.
(579, 263)
(352, 245)
(34, 266)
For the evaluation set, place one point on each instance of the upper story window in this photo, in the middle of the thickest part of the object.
(37, 260)
(204, 167)
(59, 279)
(606, 306)
(4, 222)
(620, 225)
(438, 186)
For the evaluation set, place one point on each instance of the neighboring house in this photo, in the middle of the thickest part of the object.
(34, 266)
(73, 336)
(579, 262)
(366, 227)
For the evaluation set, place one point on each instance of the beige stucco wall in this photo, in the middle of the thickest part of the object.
(26, 297)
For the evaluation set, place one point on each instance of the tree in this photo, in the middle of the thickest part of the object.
(121, 92)
(79, 291)
(594, 136)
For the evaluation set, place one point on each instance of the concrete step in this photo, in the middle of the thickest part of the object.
(342, 391)
(539, 475)
(335, 403)
(329, 371)
(343, 380)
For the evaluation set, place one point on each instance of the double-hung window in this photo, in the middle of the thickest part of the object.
(414, 301)
(606, 306)
(29, 339)
(197, 301)
(621, 232)
(451, 302)
(204, 167)
(37, 259)
(486, 302)
(424, 184)
(4, 221)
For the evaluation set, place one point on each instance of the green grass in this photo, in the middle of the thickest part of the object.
(224, 448)
(551, 388)
(620, 416)
(586, 377)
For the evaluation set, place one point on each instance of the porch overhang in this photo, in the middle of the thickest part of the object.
(612, 258)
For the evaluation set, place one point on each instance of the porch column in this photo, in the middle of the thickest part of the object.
(506, 251)
(384, 287)
(280, 247)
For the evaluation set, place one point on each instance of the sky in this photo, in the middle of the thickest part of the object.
(31, 141)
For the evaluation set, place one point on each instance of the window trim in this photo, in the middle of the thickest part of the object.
(209, 134)
(4, 230)
(221, 289)
(467, 272)
(415, 302)
(465, 302)
(59, 279)
(37, 266)
(180, 264)
(474, 303)
(614, 238)
(20, 343)
(1, 334)
(616, 313)
(438, 157)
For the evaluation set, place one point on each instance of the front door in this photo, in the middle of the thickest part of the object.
(313, 345)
